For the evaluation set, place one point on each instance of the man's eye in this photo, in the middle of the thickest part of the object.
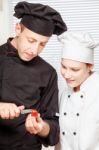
(30, 41)
(42, 44)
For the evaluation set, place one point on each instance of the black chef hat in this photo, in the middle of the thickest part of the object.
(39, 18)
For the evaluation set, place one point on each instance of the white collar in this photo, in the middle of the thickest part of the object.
(90, 83)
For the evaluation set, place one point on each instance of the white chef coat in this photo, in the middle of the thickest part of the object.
(79, 117)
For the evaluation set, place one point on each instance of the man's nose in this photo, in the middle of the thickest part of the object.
(35, 48)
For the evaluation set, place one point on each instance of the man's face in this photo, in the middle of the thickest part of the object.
(74, 72)
(29, 44)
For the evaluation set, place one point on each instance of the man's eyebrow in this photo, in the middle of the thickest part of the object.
(33, 38)
(44, 42)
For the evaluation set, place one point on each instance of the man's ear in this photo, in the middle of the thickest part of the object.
(18, 29)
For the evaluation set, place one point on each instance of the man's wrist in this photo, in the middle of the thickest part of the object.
(45, 129)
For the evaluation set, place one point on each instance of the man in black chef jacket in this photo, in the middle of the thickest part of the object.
(29, 82)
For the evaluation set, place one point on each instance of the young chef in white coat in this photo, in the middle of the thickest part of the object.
(79, 103)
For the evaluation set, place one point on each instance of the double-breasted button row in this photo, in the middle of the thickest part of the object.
(80, 96)
(77, 114)
(74, 133)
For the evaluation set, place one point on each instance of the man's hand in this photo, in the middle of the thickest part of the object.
(35, 125)
(10, 110)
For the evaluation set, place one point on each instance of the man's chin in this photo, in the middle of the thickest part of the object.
(27, 59)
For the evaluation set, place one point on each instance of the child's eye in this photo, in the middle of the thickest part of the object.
(75, 70)
(63, 66)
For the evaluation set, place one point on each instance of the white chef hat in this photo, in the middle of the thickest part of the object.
(78, 46)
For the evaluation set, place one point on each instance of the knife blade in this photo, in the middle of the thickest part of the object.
(26, 111)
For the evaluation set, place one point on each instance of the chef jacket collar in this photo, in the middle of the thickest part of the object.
(87, 84)
(11, 51)
(90, 81)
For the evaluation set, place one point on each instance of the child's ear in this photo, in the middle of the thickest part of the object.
(90, 66)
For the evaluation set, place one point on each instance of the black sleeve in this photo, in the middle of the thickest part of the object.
(1, 73)
(49, 110)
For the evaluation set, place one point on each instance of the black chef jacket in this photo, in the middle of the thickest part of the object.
(33, 84)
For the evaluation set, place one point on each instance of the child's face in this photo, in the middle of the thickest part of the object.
(74, 72)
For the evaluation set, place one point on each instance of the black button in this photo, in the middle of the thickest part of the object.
(63, 133)
(81, 96)
(68, 96)
(77, 114)
(74, 133)
(65, 113)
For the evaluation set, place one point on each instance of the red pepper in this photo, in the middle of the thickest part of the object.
(34, 113)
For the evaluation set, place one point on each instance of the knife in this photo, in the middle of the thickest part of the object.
(26, 111)
(33, 112)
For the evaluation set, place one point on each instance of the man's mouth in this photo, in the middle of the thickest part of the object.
(28, 55)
